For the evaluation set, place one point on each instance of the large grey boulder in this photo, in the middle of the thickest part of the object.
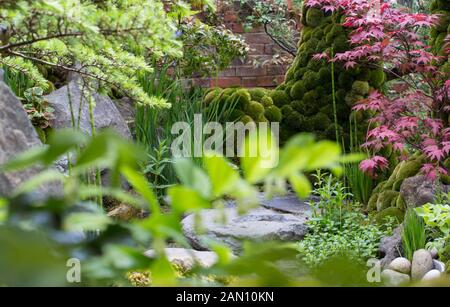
(390, 247)
(418, 190)
(106, 114)
(259, 224)
(17, 135)
(422, 263)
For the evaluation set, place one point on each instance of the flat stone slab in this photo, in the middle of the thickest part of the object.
(289, 203)
(187, 258)
(259, 224)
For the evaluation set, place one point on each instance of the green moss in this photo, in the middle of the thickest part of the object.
(377, 77)
(345, 80)
(290, 74)
(300, 72)
(212, 95)
(298, 90)
(235, 115)
(324, 75)
(320, 122)
(364, 74)
(352, 98)
(314, 17)
(372, 204)
(266, 101)
(318, 34)
(255, 109)
(280, 98)
(361, 87)
(397, 184)
(310, 80)
(246, 119)
(310, 97)
(400, 203)
(380, 217)
(229, 91)
(387, 199)
(409, 169)
(257, 93)
(241, 98)
(273, 114)
(340, 43)
(286, 110)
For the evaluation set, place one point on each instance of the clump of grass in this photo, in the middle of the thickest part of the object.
(413, 235)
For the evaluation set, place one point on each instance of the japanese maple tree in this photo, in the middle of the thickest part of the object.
(411, 113)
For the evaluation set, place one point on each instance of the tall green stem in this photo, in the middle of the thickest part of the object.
(333, 85)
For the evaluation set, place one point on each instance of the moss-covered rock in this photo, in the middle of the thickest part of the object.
(361, 87)
(273, 114)
(387, 199)
(314, 17)
(397, 214)
(280, 98)
(266, 101)
(298, 90)
(257, 94)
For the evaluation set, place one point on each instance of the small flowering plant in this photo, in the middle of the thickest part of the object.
(411, 113)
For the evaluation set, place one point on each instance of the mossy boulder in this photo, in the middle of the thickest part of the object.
(280, 98)
(361, 87)
(273, 114)
(314, 17)
(397, 214)
(387, 199)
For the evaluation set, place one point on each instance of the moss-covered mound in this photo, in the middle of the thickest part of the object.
(387, 194)
(254, 104)
(306, 96)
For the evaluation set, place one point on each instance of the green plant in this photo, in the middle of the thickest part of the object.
(105, 42)
(38, 110)
(437, 218)
(413, 234)
(333, 196)
(118, 247)
(354, 238)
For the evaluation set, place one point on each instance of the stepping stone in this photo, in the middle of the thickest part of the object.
(289, 203)
(187, 258)
(258, 224)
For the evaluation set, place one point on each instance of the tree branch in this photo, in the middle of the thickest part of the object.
(282, 45)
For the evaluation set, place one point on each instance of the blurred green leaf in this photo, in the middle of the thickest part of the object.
(192, 176)
(184, 199)
(223, 176)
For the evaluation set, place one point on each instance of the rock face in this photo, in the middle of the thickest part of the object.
(187, 258)
(401, 265)
(392, 278)
(417, 191)
(106, 114)
(422, 263)
(16, 135)
(390, 247)
(258, 225)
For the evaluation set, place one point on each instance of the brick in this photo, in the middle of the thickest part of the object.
(230, 16)
(257, 38)
(265, 81)
(259, 29)
(226, 82)
(236, 28)
(257, 49)
(250, 71)
(274, 70)
(229, 72)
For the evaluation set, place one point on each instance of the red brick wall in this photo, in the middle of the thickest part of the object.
(244, 72)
